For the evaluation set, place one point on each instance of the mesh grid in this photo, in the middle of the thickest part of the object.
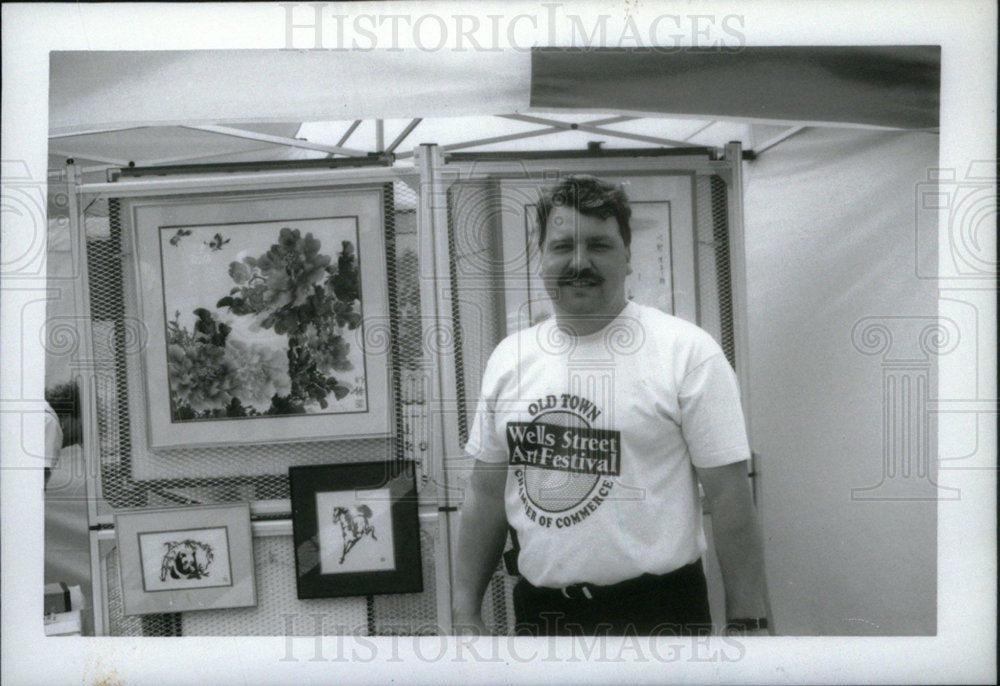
(476, 276)
(720, 230)
(476, 272)
(134, 476)
(707, 283)
(498, 604)
(279, 612)
(409, 614)
(223, 474)
(476, 281)
(118, 623)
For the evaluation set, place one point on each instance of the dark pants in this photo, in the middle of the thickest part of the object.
(672, 604)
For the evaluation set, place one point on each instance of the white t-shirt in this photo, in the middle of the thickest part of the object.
(602, 433)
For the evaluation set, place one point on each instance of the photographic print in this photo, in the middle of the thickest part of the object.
(356, 529)
(189, 558)
(257, 309)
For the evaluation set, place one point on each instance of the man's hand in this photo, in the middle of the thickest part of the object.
(482, 532)
(746, 632)
(737, 540)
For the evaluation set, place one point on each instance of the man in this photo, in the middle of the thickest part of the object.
(592, 433)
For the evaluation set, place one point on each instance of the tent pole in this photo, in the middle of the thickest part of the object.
(436, 293)
(738, 277)
(347, 134)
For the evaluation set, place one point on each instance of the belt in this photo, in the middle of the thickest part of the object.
(588, 591)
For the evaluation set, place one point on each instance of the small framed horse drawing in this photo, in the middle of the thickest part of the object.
(356, 529)
(186, 558)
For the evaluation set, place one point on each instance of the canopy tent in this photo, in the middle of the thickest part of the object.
(848, 133)
(169, 107)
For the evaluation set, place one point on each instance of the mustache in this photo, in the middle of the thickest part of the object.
(585, 274)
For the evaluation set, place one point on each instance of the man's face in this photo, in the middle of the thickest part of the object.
(584, 264)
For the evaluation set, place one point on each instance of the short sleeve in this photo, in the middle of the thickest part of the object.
(711, 414)
(484, 442)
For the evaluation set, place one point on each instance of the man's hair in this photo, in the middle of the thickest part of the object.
(64, 399)
(589, 196)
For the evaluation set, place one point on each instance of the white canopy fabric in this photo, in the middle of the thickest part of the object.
(894, 87)
(161, 107)
(94, 90)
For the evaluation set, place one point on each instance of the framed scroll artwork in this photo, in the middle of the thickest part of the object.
(186, 558)
(264, 316)
(356, 529)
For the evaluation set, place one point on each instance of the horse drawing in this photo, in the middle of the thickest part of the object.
(354, 525)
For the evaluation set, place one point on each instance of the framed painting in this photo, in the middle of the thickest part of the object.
(356, 529)
(663, 250)
(265, 316)
(187, 558)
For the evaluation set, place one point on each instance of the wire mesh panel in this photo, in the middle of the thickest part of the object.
(720, 232)
(278, 611)
(477, 283)
(133, 475)
(498, 603)
(409, 614)
(476, 210)
(118, 623)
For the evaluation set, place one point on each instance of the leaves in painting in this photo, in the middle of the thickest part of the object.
(295, 291)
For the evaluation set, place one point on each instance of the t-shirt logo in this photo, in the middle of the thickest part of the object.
(581, 450)
(560, 458)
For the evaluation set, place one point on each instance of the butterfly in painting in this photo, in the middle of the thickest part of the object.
(175, 240)
(217, 242)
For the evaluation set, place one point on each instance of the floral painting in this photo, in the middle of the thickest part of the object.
(258, 311)
(266, 327)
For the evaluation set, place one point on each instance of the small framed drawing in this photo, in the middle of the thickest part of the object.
(186, 558)
(356, 529)
(264, 316)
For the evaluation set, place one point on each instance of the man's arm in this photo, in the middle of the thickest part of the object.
(737, 538)
(482, 533)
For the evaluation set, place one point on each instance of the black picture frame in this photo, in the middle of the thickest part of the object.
(356, 529)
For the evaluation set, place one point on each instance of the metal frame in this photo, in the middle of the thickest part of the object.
(207, 184)
(697, 161)
(245, 181)
(550, 123)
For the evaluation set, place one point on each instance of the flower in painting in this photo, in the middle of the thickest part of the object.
(259, 372)
(291, 268)
(200, 375)
(328, 349)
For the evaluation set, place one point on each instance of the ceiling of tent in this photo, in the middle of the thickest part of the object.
(155, 108)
